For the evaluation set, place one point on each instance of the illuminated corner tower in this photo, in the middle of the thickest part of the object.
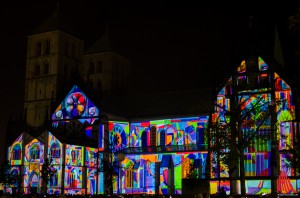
(56, 60)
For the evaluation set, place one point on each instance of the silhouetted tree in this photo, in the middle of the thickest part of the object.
(239, 126)
(47, 173)
(294, 160)
(6, 179)
(193, 172)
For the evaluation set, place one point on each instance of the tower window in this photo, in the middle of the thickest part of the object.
(99, 67)
(37, 69)
(47, 47)
(38, 49)
(46, 68)
(73, 51)
(92, 68)
(66, 49)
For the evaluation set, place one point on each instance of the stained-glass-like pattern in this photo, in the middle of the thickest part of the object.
(157, 154)
(15, 151)
(55, 149)
(91, 156)
(74, 155)
(76, 106)
(168, 132)
(138, 172)
(34, 152)
(258, 187)
(73, 177)
(254, 99)
(118, 133)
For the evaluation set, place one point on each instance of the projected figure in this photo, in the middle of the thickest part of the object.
(119, 137)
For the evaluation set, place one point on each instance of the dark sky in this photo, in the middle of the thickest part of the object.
(171, 46)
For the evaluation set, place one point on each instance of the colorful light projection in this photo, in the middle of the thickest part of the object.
(221, 171)
(91, 156)
(286, 164)
(91, 181)
(14, 170)
(34, 152)
(168, 132)
(74, 155)
(55, 153)
(101, 179)
(262, 66)
(76, 105)
(258, 187)
(73, 180)
(286, 135)
(258, 155)
(33, 160)
(55, 149)
(139, 172)
(216, 185)
(32, 179)
(286, 185)
(118, 134)
(101, 137)
(92, 175)
(14, 152)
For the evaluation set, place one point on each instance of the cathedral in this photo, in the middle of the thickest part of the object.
(99, 141)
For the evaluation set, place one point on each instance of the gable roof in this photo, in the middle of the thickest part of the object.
(76, 105)
(103, 44)
(56, 21)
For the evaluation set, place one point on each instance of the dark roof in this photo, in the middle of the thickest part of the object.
(161, 104)
(103, 44)
(56, 21)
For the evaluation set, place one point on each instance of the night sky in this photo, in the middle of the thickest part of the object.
(171, 46)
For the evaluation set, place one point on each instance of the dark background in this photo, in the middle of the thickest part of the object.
(171, 46)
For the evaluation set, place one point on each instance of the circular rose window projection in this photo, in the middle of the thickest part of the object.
(75, 104)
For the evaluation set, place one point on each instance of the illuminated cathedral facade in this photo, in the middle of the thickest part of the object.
(153, 156)
(94, 151)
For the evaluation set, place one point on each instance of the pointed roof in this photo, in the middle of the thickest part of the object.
(103, 44)
(278, 54)
(56, 21)
(76, 105)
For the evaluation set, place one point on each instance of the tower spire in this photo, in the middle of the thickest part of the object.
(278, 55)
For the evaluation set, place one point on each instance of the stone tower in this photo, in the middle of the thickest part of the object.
(56, 60)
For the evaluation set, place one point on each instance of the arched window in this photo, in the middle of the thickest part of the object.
(34, 152)
(16, 152)
(46, 68)
(55, 150)
(73, 178)
(47, 47)
(153, 136)
(144, 139)
(162, 138)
